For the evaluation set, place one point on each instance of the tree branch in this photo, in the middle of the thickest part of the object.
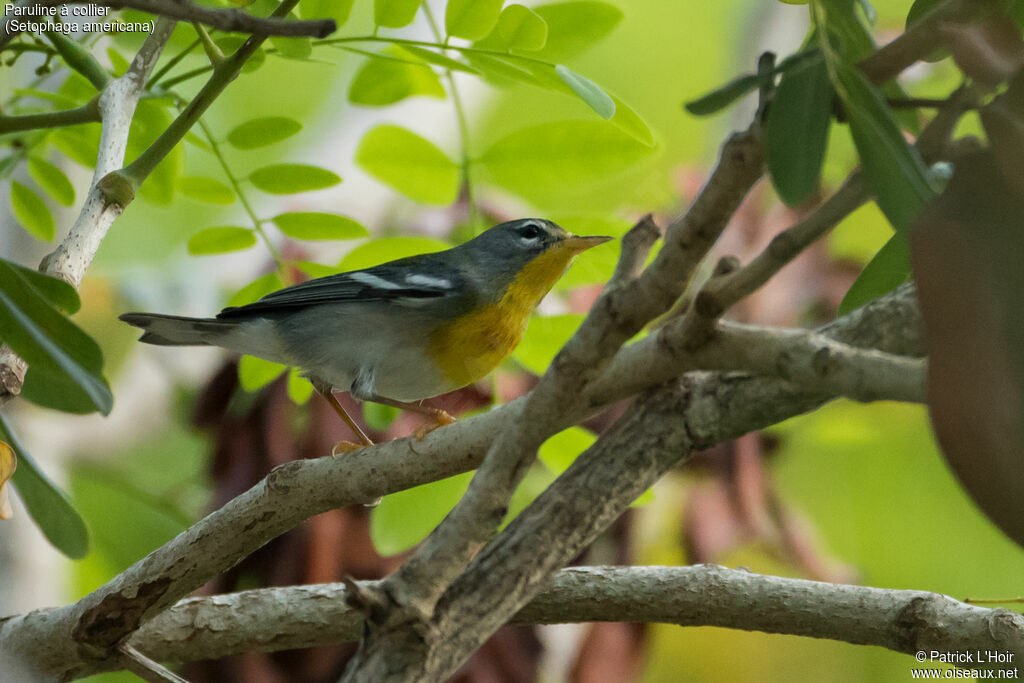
(906, 621)
(116, 106)
(231, 20)
(57, 640)
(87, 113)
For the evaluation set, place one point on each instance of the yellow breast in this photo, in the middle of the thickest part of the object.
(472, 346)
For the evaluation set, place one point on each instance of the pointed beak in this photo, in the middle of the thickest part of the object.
(580, 243)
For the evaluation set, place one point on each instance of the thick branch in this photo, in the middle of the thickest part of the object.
(231, 20)
(906, 621)
(53, 639)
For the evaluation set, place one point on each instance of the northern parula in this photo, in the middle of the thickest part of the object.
(399, 332)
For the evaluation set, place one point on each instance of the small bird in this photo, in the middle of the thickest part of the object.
(400, 332)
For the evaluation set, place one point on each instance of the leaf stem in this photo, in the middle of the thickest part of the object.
(87, 113)
(223, 73)
(460, 115)
(171, 63)
(257, 222)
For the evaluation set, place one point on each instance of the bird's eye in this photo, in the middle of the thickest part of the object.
(530, 231)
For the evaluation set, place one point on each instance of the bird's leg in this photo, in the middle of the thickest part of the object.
(440, 417)
(343, 446)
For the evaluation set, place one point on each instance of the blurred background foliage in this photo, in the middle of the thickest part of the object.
(851, 492)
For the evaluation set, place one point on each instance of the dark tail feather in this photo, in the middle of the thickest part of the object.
(175, 330)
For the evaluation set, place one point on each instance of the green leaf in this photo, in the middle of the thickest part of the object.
(48, 506)
(437, 59)
(263, 131)
(152, 118)
(206, 190)
(64, 362)
(500, 71)
(31, 212)
(311, 225)
(588, 91)
(574, 27)
(887, 270)
(471, 19)
(293, 48)
(315, 270)
(409, 163)
(118, 64)
(379, 416)
(257, 289)
(595, 267)
(894, 169)
(339, 10)
(384, 81)
(631, 123)
(404, 518)
(520, 28)
(558, 452)
(386, 249)
(394, 13)
(56, 291)
(549, 157)
(796, 131)
(292, 178)
(545, 335)
(51, 179)
(299, 388)
(221, 240)
(255, 373)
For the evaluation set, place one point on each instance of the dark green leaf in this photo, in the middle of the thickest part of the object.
(719, 99)
(394, 13)
(311, 225)
(48, 506)
(384, 81)
(51, 179)
(263, 131)
(206, 190)
(471, 19)
(53, 346)
(31, 212)
(56, 291)
(894, 169)
(918, 10)
(796, 131)
(221, 240)
(887, 270)
(292, 178)
(588, 91)
(409, 163)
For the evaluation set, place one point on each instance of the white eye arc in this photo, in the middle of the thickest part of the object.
(530, 233)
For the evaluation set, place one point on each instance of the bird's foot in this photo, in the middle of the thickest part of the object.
(441, 419)
(347, 447)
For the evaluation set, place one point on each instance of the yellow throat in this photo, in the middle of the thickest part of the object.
(474, 345)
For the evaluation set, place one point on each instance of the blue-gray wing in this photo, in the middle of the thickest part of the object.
(408, 280)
